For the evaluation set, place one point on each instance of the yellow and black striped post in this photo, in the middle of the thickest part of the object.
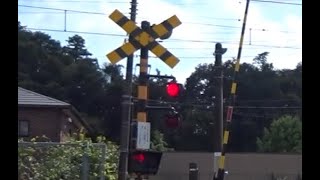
(142, 87)
(221, 170)
(143, 80)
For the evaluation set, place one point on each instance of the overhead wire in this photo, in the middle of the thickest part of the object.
(78, 1)
(118, 35)
(180, 4)
(80, 32)
(201, 57)
(210, 105)
(198, 23)
(173, 39)
(277, 2)
(59, 9)
(208, 41)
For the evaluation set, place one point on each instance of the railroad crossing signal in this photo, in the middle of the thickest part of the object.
(143, 38)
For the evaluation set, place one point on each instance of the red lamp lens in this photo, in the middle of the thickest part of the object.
(173, 89)
(138, 157)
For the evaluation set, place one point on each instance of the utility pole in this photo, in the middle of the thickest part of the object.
(219, 97)
(126, 109)
(221, 171)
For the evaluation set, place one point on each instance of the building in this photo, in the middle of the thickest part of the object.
(40, 115)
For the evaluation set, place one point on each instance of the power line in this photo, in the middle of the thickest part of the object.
(39, 12)
(58, 9)
(215, 18)
(277, 2)
(90, 12)
(200, 57)
(205, 41)
(235, 27)
(123, 2)
(99, 13)
(208, 106)
(185, 40)
(79, 32)
(207, 24)
(72, 1)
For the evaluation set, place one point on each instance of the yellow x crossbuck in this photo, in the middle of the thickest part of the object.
(143, 38)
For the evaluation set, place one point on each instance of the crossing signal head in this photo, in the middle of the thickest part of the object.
(172, 119)
(144, 162)
(173, 89)
(139, 157)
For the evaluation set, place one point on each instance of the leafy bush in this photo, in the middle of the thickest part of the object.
(65, 160)
(284, 135)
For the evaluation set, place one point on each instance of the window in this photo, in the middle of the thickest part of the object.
(23, 128)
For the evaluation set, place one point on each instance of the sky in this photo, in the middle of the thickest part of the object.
(271, 27)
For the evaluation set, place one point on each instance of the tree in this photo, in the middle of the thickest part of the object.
(261, 61)
(76, 48)
(113, 72)
(284, 135)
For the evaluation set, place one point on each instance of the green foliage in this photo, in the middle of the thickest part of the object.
(284, 135)
(261, 61)
(158, 143)
(76, 48)
(257, 86)
(64, 161)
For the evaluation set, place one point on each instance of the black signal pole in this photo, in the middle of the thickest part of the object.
(219, 98)
(126, 109)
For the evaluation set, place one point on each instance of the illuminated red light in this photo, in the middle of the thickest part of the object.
(173, 89)
(138, 157)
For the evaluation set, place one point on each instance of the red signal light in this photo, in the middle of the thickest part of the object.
(173, 89)
(138, 157)
(144, 162)
(172, 121)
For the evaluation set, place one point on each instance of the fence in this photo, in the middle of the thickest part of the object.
(72, 161)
